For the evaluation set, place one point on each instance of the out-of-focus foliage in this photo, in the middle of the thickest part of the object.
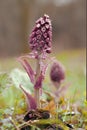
(72, 106)
(21, 78)
(4, 81)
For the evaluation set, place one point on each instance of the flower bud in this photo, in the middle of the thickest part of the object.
(57, 73)
(41, 36)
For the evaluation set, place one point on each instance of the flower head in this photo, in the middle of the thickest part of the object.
(41, 36)
(57, 73)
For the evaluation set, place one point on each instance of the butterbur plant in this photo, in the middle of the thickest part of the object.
(40, 41)
(49, 113)
(54, 110)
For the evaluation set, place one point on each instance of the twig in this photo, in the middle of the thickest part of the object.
(12, 121)
(44, 121)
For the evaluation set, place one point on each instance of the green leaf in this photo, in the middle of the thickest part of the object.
(21, 78)
(4, 81)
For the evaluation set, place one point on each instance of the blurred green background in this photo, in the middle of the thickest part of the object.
(17, 17)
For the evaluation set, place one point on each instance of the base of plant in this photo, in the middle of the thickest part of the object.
(41, 120)
(37, 114)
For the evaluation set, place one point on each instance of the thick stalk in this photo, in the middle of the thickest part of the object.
(37, 90)
(37, 97)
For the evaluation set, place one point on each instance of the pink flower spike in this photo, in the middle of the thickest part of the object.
(28, 69)
(41, 31)
(30, 100)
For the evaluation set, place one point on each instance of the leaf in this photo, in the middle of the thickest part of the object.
(19, 77)
(11, 96)
(30, 100)
(4, 81)
(28, 69)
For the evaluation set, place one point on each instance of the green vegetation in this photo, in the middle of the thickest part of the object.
(12, 101)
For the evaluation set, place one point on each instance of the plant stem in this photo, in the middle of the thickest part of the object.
(37, 90)
(37, 97)
(13, 122)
